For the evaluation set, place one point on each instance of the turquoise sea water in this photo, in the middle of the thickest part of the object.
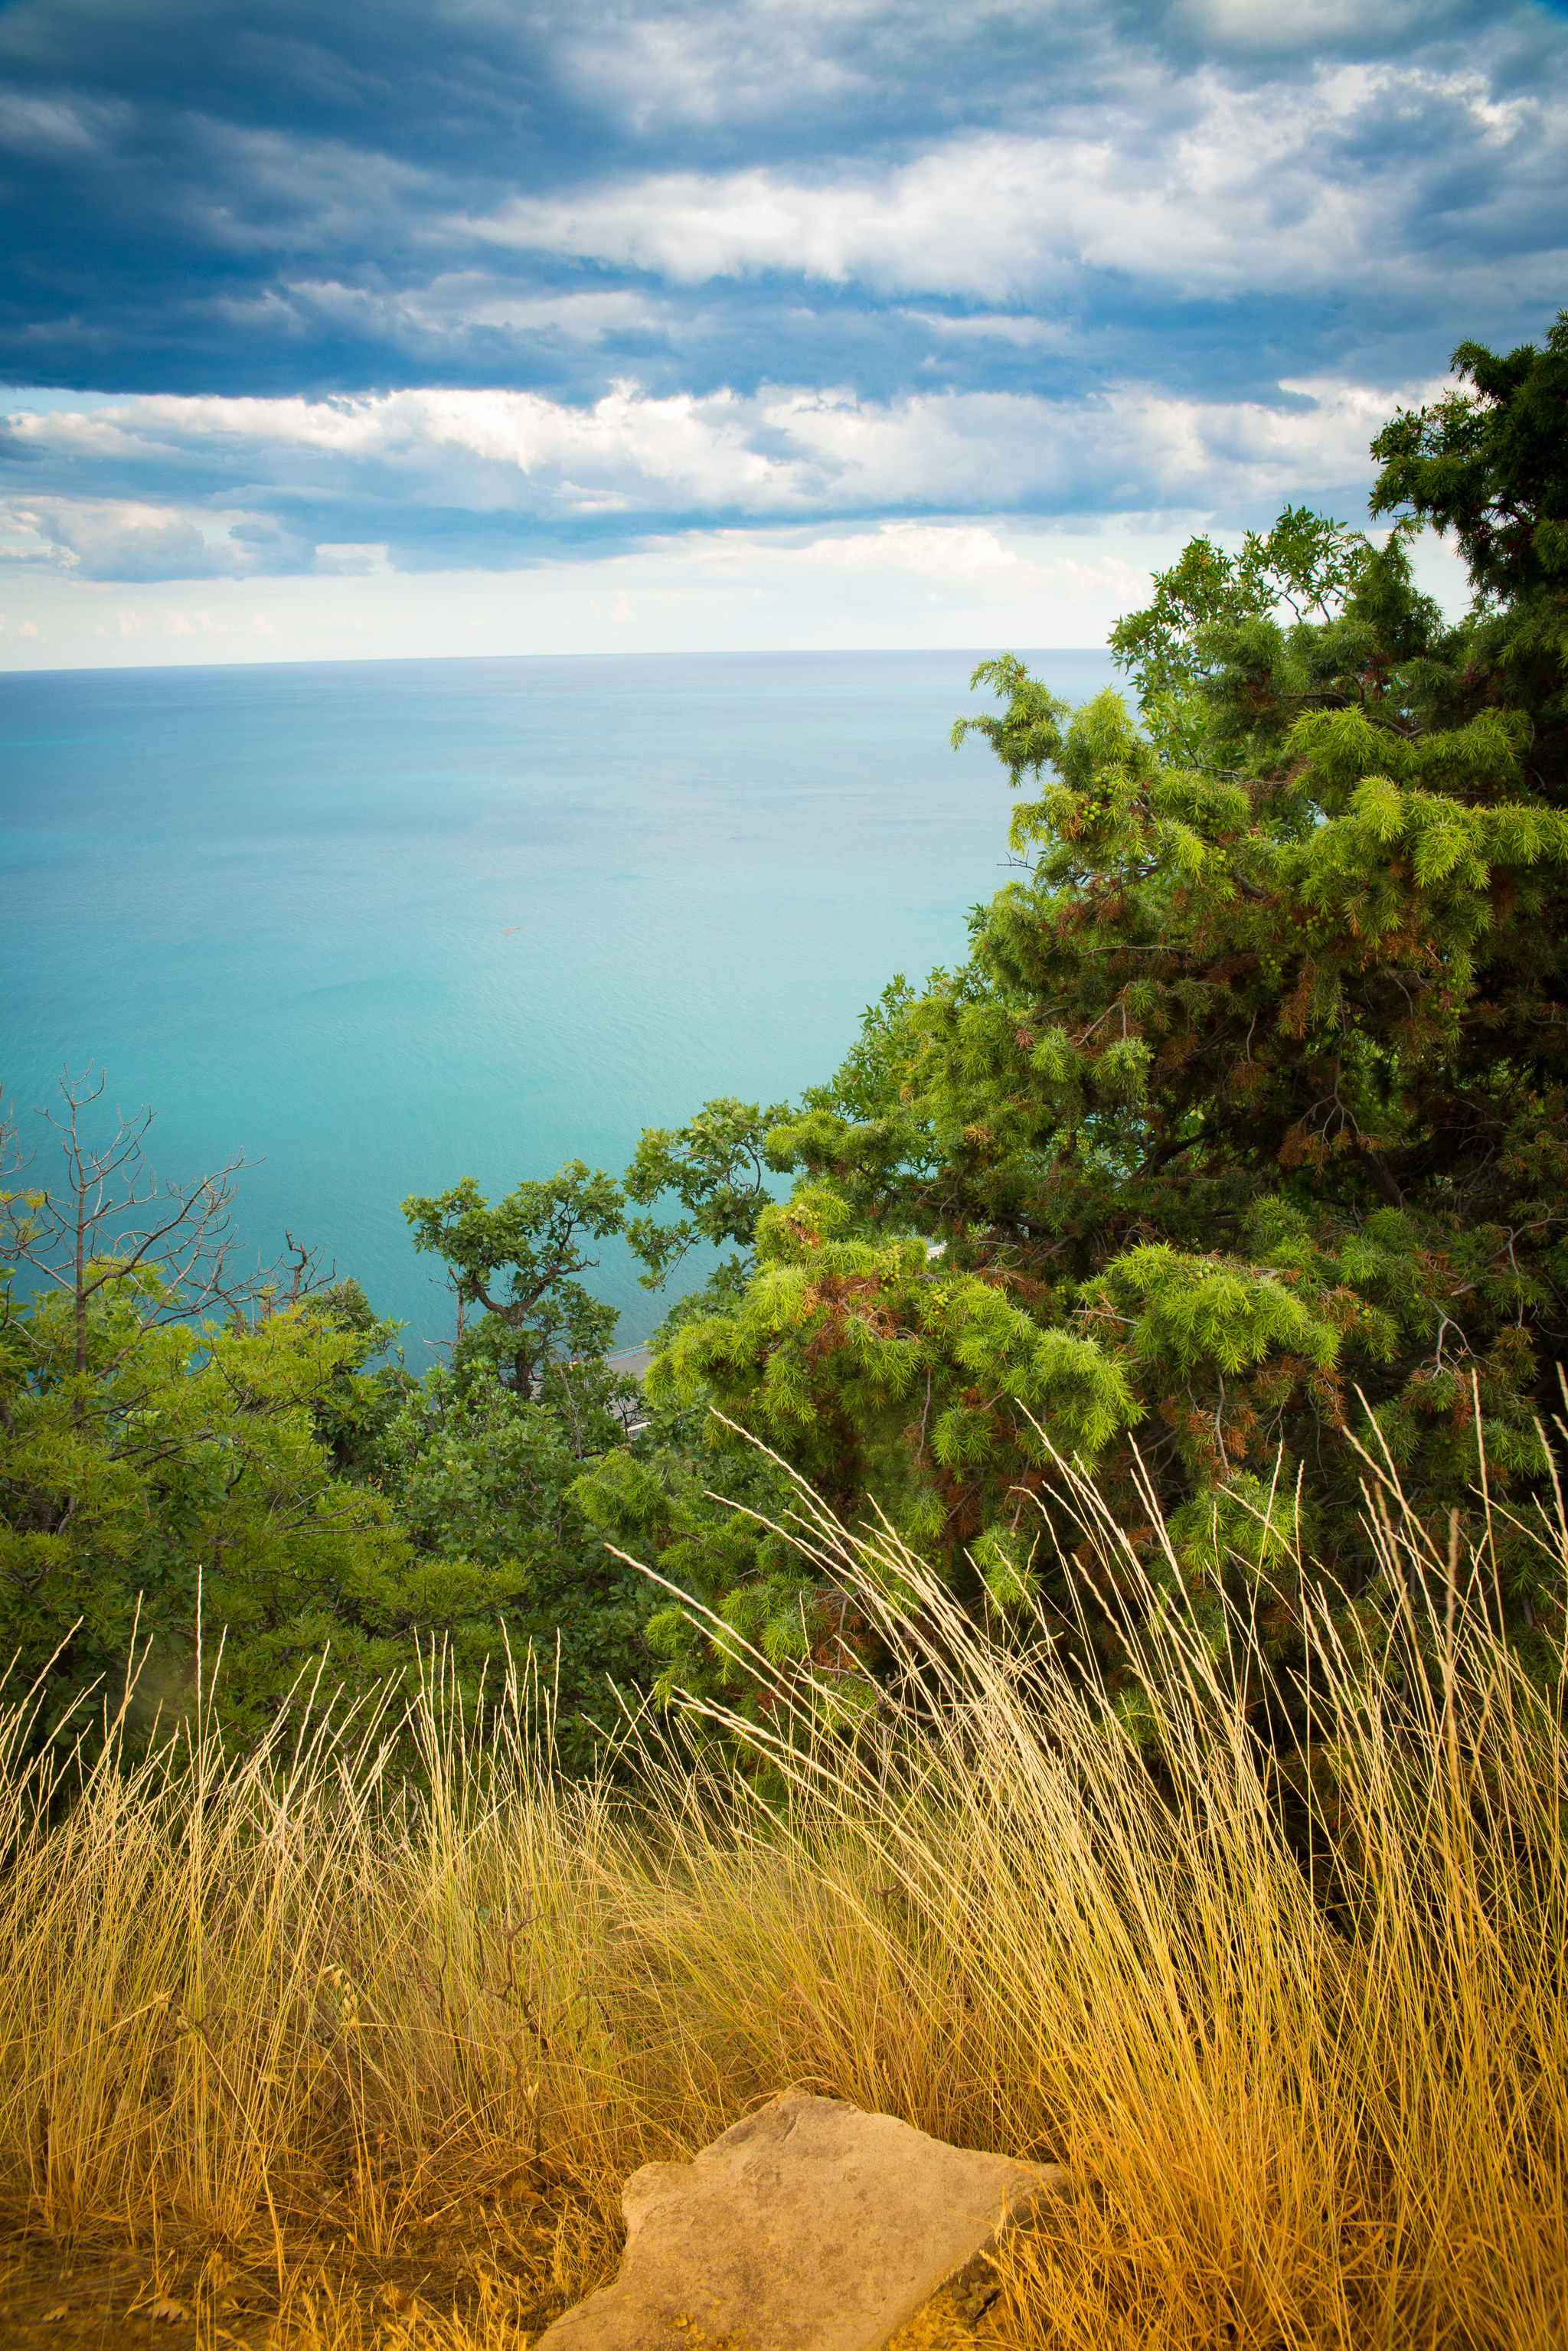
(382, 924)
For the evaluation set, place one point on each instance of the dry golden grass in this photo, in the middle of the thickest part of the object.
(319, 2062)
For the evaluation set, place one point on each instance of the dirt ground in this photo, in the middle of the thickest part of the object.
(493, 2297)
(490, 2278)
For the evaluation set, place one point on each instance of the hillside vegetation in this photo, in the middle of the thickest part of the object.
(1237, 1148)
(1068, 1645)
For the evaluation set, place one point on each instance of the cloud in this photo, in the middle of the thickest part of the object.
(51, 126)
(127, 538)
(756, 588)
(1239, 194)
(966, 553)
(192, 624)
(1277, 28)
(227, 197)
(409, 479)
(457, 282)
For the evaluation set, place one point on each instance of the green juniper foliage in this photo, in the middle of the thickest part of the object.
(1241, 1139)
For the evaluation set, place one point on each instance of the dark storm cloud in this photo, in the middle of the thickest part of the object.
(279, 198)
(971, 245)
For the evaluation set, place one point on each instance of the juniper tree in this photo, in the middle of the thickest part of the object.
(1241, 1138)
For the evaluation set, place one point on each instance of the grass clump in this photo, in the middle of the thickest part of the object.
(315, 2055)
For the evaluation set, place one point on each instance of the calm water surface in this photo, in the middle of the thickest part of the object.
(382, 924)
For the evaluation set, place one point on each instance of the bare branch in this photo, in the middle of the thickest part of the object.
(168, 1249)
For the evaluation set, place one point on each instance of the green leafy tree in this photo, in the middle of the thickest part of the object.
(109, 1217)
(471, 1468)
(716, 1167)
(519, 1262)
(167, 1461)
(486, 1455)
(352, 1410)
(1242, 1136)
(1491, 466)
(1204, 608)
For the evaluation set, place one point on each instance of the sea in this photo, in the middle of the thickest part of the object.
(379, 925)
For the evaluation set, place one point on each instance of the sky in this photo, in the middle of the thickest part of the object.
(500, 326)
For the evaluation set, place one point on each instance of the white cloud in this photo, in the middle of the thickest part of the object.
(50, 126)
(717, 65)
(113, 538)
(950, 551)
(559, 194)
(348, 559)
(948, 582)
(393, 461)
(331, 192)
(1277, 27)
(973, 560)
(465, 298)
(1223, 189)
(121, 538)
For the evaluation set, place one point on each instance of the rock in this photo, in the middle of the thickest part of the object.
(809, 2227)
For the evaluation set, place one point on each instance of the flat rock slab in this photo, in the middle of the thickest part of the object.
(809, 2227)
